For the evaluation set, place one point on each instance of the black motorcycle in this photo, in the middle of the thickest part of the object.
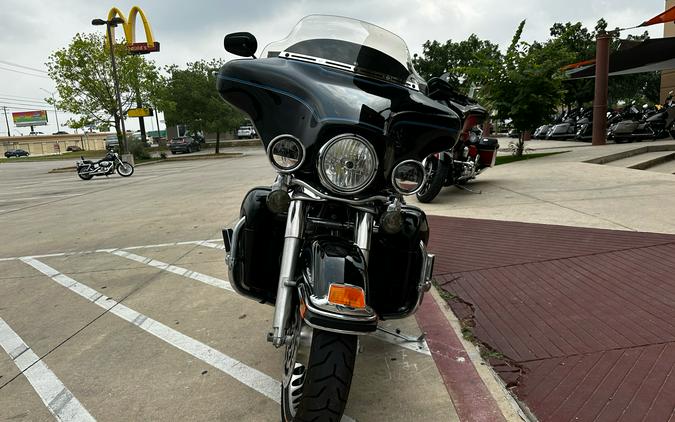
(331, 243)
(633, 124)
(106, 166)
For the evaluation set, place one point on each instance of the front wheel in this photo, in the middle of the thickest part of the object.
(437, 172)
(125, 169)
(318, 370)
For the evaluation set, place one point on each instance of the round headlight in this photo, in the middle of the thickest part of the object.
(286, 153)
(408, 177)
(347, 164)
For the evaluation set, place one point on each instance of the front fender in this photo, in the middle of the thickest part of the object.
(331, 260)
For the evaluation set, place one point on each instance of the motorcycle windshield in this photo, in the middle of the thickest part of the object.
(348, 44)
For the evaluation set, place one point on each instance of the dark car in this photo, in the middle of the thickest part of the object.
(183, 144)
(74, 148)
(16, 153)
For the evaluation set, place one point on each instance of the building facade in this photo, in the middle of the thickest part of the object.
(668, 76)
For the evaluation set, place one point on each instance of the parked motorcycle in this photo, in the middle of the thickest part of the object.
(87, 169)
(567, 128)
(466, 159)
(584, 125)
(331, 243)
(635, 125)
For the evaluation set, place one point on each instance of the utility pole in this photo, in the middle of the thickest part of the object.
(6, 121)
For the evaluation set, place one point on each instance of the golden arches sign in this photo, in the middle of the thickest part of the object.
(129, 27)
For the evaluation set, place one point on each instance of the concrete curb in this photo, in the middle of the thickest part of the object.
(509, 406)
(630, 153)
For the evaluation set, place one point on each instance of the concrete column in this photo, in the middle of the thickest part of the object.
(601, 80)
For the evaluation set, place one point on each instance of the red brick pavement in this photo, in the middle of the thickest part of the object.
(585, 318)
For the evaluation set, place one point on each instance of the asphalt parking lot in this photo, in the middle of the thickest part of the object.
(115, 305)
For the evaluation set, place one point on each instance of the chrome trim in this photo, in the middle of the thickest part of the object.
(269, 154)
(362, 230)
(346, 67)
(292, 243)
(316, 195)
(425, 276)
(335, 330)
(231, 257)
(331, 311)
(322, 176)
(424, 178)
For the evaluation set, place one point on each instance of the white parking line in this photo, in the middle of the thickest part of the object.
(58, 399)
(29, 198)
(213, 281)
(251, 377)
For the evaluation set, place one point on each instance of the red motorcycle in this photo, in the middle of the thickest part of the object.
(469, 155)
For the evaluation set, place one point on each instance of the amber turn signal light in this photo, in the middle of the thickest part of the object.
(352, 296)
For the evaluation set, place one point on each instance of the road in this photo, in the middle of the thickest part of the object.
(115, 305)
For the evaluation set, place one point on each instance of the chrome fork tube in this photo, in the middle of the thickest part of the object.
(362, 231)
(293, 240)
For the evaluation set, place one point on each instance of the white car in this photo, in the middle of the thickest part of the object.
(246, 132)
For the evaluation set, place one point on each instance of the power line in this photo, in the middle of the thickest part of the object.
(19, 96)
(22, 66)
(27, 103)
(19, 102)
(24, 73)
(11, 107)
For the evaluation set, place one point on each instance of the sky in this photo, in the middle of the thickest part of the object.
(194, 30)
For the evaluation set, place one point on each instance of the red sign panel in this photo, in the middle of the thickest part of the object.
(142, 48)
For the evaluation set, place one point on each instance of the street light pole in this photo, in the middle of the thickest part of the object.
(56, 114)
(111, 45)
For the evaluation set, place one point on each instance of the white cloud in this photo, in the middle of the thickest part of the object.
(193, 30)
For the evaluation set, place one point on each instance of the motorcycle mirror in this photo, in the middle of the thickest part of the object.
(241, 44)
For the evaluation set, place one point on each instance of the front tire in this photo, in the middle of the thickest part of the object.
(125, 169)
(437, 171)
(317, 374)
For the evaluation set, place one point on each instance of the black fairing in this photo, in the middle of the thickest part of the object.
(314, 102)
(333, 260)
(395, 266)
(261, 241)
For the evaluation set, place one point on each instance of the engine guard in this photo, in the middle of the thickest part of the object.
(329, 261)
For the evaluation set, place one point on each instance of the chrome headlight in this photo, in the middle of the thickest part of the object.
(347, 164)
(286, 153)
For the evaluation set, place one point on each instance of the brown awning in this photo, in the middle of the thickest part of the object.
(647, 56)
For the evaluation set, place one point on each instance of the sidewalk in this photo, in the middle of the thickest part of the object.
(578, 320)
(563, 189)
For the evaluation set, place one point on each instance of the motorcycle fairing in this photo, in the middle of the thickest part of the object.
(258, 239)
(308, 101)
(396, 264)
(332, 260)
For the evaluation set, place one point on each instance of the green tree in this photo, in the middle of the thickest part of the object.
(82, 72)
(456, 58)
(526, 84)
(189, 97)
